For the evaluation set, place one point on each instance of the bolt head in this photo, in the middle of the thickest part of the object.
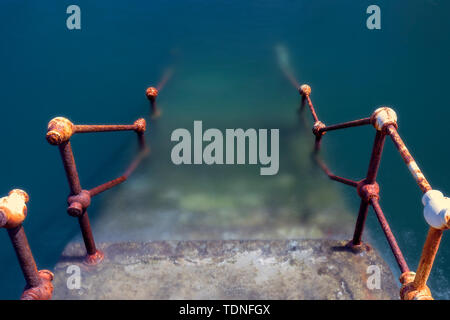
(59, 130)
(151, 93)
(305, 90)
(141, 125)
(316, 128)
(75, 209)
(382, 117)
(13, 209)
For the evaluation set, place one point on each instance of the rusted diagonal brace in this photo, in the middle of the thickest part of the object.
(143, 152)
(324, 167)
(389, 236)
(110, 184)
(60, 130)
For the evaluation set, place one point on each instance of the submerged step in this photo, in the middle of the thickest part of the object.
(231, 269)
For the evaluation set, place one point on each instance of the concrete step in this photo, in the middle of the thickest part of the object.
(230, 269)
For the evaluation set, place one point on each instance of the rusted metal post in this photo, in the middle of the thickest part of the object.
(370, 180)
(26, 260)
(430, 249)
(152, 94)
(305, 92)
(13, 212)
(141, 127)
(360, 222)
(414, 285)
(60, 130)
(317, 143)
(375, 159)
(94, 255)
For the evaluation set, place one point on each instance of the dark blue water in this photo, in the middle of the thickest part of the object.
(224, 58)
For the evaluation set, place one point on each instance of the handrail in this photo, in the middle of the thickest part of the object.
(436, 206)
(60, 131)
(13, 208)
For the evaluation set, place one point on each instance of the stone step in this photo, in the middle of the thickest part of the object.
(230, 269)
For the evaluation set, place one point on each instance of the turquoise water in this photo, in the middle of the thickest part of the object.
(223, 54)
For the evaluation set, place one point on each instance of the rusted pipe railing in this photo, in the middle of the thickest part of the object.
(13, 211)
(13, 208)
(436, 206)
(60, 131)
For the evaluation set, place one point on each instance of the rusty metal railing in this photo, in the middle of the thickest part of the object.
(13, 211)
(60, 131)
(436, 206)
(13, 208)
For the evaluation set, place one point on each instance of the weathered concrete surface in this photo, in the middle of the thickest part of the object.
(301, 269)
